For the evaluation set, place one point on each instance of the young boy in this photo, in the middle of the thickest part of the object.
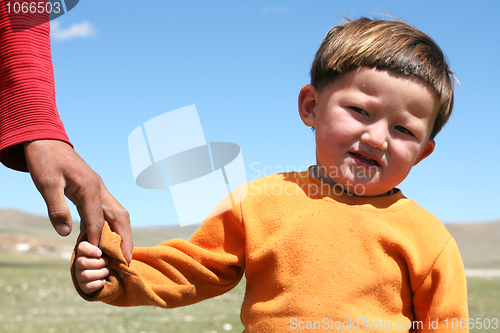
(338, 246)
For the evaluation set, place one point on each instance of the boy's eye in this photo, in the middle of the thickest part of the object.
(404, 130)
(358, 110)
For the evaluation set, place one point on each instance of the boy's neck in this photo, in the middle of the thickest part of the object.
(314, 172)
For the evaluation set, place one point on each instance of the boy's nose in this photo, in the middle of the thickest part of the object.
(376, 136)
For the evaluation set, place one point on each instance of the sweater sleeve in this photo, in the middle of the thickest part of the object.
(176, 272)
(440, 302)
(27, 94)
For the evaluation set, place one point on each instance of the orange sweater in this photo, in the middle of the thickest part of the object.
(313, 258)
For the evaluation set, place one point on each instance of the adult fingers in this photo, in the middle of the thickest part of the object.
(85, 192)
(58, 170)
(49, 180)
(58, 212)
(119, 220)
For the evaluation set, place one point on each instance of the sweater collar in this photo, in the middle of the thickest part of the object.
(314, 187)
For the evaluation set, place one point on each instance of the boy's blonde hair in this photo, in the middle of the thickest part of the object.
(387, 45)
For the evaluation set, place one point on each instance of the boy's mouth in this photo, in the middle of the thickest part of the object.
(363, 159)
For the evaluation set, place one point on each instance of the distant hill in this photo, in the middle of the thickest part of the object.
(479, 243)
(18, 227)
(21, 228)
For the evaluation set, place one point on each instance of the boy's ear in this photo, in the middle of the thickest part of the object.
(308, 99)
(428, 149)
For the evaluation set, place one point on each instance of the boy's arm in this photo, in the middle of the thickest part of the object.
(440, 302)
(176, 272)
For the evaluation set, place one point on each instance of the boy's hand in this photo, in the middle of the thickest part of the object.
(90, 268)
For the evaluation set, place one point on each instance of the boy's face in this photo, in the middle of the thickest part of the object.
(371, 127)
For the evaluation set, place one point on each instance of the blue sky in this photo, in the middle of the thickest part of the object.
(119, 64)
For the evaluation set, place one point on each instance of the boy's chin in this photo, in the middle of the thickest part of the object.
(366, 188)
(359, 186)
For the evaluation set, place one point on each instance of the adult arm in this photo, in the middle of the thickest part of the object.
(27, 95)
(33, 138)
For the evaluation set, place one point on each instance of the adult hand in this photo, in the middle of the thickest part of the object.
(57, 170)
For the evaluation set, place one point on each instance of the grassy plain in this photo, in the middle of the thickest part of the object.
(37, 295)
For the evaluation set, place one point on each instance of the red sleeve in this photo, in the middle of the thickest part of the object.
(27, 95)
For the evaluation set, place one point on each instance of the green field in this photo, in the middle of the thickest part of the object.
(37, 295)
